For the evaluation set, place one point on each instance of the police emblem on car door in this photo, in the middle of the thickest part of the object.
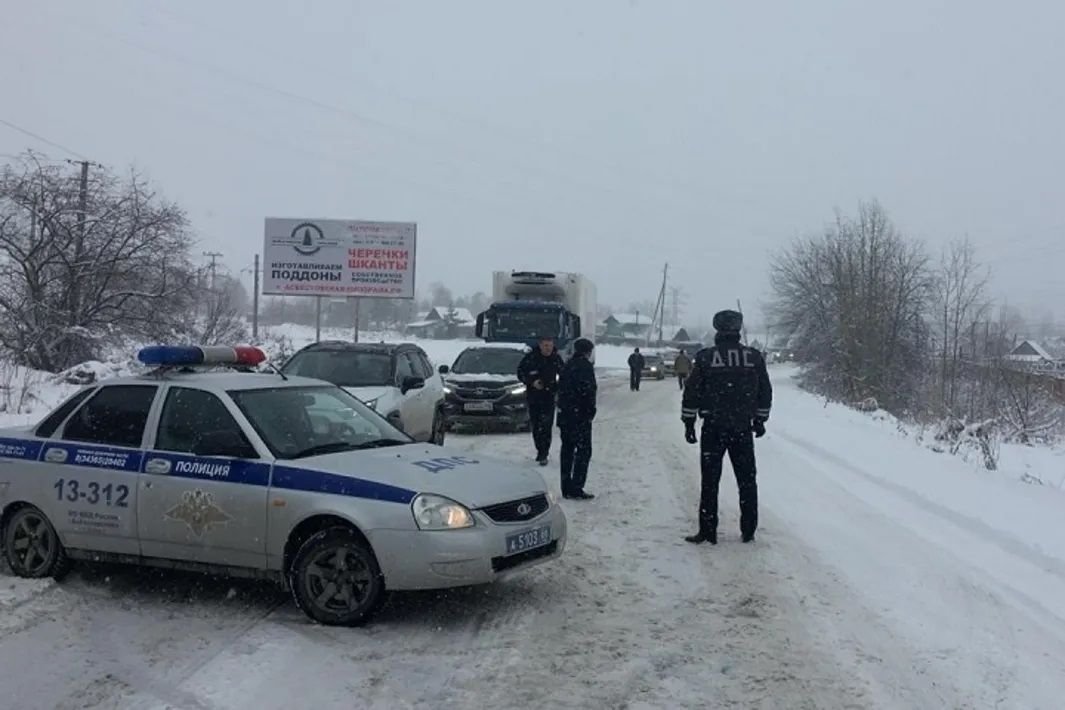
(198, 511)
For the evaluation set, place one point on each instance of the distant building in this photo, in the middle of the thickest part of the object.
(443, 323)
(626, 328)
(1032, 355)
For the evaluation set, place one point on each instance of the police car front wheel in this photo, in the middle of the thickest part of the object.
(336, 579)
(32, 547)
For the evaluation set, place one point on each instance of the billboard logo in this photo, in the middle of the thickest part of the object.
(307, 238)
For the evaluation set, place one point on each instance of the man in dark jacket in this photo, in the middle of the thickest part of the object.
(576, 410)
(636, 363)
(539, 371)
(729, 388)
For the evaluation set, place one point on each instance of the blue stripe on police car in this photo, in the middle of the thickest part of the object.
(249, 473)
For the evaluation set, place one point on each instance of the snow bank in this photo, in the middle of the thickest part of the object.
(1038, 465)
(997, 500)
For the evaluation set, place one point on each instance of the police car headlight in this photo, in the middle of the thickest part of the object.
(516, 389)
(448, 389)
(432, 512)
(371, 403)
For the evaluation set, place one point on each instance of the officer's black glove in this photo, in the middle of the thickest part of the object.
(758, 428)
(689, 432)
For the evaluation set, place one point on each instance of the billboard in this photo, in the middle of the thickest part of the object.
(339, 258)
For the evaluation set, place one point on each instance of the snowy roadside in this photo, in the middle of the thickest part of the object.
(1007, 508)
(15, 592)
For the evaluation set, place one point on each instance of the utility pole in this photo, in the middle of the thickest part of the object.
(358, 306)
(74, 296)
(255, 303)
(662, 319)
(213, 256)
(739, 307)
(317, 319)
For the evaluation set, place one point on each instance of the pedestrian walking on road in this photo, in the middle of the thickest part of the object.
(539, 371)
(729, 388)
(576, 411)
(636, 364)
(682, 366)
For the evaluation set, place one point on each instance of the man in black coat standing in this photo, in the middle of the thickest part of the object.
(576, 411)
(636, 363)
(539, 371)
(729, 388)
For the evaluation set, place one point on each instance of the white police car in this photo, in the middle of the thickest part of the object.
(259, 474)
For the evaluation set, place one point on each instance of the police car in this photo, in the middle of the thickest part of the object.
(261, 474)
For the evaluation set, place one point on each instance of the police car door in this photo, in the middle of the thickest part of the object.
(203, 489)
(92, 469)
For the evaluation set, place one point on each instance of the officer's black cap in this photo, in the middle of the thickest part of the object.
(728, 321)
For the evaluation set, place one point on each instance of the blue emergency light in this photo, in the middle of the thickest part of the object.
(192, 355)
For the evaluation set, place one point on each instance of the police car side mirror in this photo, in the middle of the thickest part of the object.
(444, 369)
(224, 443)
(411, 383)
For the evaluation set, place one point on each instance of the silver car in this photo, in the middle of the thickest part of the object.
(260, 475)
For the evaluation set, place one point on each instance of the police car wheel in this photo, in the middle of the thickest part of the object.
(335, 578)
(32, 547)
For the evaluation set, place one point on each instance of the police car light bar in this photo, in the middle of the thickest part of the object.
(191, 355)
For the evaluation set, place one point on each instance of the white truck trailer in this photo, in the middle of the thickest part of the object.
(528, 305)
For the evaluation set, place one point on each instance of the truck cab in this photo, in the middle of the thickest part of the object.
(530, 305)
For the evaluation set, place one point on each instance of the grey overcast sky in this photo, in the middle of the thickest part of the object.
(599, 136)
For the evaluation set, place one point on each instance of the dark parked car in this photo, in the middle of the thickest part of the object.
(482, 389)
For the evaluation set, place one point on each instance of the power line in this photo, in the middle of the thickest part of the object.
(42, 139)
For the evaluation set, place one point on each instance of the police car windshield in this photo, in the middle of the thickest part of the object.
(344, 368)
(488, 361)
(297, 422)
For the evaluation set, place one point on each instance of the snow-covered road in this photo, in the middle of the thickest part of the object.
(871, 585)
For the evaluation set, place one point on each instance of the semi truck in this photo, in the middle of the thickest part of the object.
(527, 305)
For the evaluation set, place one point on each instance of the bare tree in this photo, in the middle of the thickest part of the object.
(220, 315)
(959, 307)
(856, 298)
(77, 269)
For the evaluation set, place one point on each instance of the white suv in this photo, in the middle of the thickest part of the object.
(396, 379)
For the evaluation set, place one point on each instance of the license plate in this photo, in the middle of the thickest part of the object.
(528, 540)
(478, 406)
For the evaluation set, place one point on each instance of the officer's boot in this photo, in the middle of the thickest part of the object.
(701, 537)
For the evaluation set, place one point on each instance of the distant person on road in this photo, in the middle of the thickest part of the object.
(539, 371)
(682, 366)
(729, 388)
(576, 410)
(636, 363)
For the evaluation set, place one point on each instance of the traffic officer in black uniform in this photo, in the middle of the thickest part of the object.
(539, 370)
(576, 411)
(729, 388)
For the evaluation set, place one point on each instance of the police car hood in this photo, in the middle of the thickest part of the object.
(473, 480)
